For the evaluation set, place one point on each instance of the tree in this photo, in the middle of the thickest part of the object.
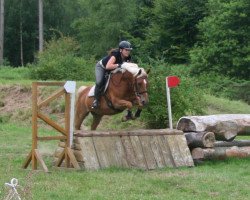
(102, 24)
(40, 11)
(224, 45)
(172, 32)
(1, 30)
(57, 15)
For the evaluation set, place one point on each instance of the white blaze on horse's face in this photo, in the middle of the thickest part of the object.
(142, 90)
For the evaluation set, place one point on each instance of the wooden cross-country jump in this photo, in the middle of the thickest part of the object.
(66, 132)
(146, 149)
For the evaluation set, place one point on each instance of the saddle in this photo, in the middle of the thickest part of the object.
(106, 80)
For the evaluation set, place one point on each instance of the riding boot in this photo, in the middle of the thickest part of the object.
(96, 102)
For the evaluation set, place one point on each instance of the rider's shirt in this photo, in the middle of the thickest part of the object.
(118, 58)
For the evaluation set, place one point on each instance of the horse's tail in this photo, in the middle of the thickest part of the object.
(80, 110)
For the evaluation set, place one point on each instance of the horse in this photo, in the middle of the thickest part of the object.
(127, 88)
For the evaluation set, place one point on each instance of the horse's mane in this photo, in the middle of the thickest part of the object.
(133, 68)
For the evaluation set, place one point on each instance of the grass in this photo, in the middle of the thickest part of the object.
(227, 179)
(220, 105)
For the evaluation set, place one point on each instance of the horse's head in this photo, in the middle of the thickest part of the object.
(140, 81)
(141, 87)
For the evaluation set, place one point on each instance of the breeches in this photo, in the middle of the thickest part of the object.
(99, 74)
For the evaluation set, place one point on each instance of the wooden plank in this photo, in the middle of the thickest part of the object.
(184, 150)
(89, 153)
(109, 143)
(72, 158)
(148, 153)
(67, 126)
(175, 151)
(52, 97)
(157, 151)
(40, 160)
(129, 151)
(120, 152)
(52, 123)
(166, 153)
(115, 152)
(149, 132)
(140, 159)
(60, 158)
(47, 83)
(27, 161)
(57, 137)
(102, 151)
(34, 125)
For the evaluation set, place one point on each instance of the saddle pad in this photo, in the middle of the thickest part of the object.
(92, 90)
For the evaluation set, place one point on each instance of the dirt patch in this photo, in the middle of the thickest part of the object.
(14, 98)
(16, 104)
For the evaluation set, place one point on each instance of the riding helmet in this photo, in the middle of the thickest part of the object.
(125, 45)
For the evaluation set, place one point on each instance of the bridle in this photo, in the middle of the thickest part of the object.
(136, 87)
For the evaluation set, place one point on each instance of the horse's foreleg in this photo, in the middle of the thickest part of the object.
(122, 104)
(138, 112)
(96, 121)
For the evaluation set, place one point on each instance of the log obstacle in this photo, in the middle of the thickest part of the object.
(67, 154)
(144, 149)
(225, 126)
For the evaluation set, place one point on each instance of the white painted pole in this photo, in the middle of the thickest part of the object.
(169, 106)
(70, 87)
(72, 116)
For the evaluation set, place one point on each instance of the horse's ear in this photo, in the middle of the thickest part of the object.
(148, 70)
(139, 73)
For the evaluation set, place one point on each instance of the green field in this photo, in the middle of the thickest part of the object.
(226, 179)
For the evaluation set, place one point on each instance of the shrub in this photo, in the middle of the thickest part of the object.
(186, 99)
(59, 61)
(224, 45)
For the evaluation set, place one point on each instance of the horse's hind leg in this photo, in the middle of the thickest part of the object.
(81, 113)
(96, 121)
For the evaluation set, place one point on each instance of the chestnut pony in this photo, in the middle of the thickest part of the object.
(124, 91)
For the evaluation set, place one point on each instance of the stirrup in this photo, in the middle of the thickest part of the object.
(95, 104)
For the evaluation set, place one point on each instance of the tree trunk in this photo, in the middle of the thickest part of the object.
(225, 127)
(40, 8)
(1, 30)
(200, 139)
(21, 32)
(238, 143)
(220, 153)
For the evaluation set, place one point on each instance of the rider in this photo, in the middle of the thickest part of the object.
(112, 61)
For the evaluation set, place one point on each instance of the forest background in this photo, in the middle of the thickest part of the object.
(206, 43)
